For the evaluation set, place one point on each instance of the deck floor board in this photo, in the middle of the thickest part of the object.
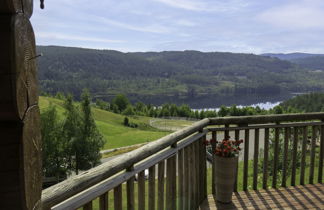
(298, 197)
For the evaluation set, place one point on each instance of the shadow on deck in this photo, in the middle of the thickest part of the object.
(299, 197)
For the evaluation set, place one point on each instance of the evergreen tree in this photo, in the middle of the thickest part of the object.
(71, 132)
(91, 141)
(54, 155)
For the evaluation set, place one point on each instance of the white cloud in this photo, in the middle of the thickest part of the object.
(298, 15)
(155, 28)
(64, 36)
(184, 22)
(205, 6)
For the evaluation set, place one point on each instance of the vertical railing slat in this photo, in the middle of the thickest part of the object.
(203, 169)
(265, 159)
(303, 156)
(141, 190)
(186, 168)
(171, 195)
(285, 157)
(192, 177)
(197, 195)
(130, 191)
(226, 132)
(88, 206)
(118, 200)
(246, 159)
(213, 144)
(276, 158)
(161, 167)
(294, 157)
(312, 156)
(103, 201)
(151, 188)
(256, 158)
(194, 174)
(321, 156)
(180, 179)
(237, 137)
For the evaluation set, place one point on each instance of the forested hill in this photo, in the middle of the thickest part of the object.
(305, 60)
(181, 74)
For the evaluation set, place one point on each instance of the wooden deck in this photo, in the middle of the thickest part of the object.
(298, 197)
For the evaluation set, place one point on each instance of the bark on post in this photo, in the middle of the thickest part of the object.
(20, 146)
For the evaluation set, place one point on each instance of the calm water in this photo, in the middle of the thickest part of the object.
(263, 105)
(213, 102)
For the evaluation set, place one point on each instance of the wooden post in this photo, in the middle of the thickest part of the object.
(20, 143)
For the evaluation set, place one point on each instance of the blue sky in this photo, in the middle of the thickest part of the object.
(248, 26)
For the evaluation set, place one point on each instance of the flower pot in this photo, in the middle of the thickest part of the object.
(225, 173)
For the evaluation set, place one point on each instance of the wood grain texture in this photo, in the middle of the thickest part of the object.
(298, 197)
(32, 157)
(276, 158)
(285, 157)
(151, 190)
(321, 156)
(88, 206)
(161, 169)
(118, 199)
(21, 178)
(256, 159)
(246, 159)
(103, 201)
(130, 194)
(17, 6)
(265, 159)
(181, 175)
(141, 190)
(303, 157)
(294, 157)
(312, 155)
(171, 184)
(18, 71)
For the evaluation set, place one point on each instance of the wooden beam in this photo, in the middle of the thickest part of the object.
(258, 119)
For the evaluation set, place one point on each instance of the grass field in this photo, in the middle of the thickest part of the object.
(111, 126)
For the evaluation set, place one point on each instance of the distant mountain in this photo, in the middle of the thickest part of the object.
(176, 74)
(305, 60)
(291, 56)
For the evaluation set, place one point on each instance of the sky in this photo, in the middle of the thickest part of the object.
(246, 26)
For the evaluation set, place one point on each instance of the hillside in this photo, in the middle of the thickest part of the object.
(312, 102)
(111, 126)
(177, 74)
(304, 60)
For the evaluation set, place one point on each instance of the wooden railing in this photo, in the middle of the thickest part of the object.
(180, 159)
(177, 170)
(275, 129)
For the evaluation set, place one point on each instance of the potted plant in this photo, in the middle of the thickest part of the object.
(225, 160)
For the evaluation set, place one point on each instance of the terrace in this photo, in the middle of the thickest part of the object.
(180, 177)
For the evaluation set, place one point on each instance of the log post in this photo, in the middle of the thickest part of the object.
(20, 142)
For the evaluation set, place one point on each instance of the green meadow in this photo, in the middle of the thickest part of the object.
(111, 126)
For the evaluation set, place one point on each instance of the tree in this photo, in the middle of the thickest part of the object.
(129, 110)
(71, 131)
(54, 155)
(126, 121)
(121, 102)
(91, 141)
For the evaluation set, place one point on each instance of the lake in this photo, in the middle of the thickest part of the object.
(214, 102)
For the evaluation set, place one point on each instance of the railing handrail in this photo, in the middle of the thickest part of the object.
(259, 119)
(70, 187)
(63, 190)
